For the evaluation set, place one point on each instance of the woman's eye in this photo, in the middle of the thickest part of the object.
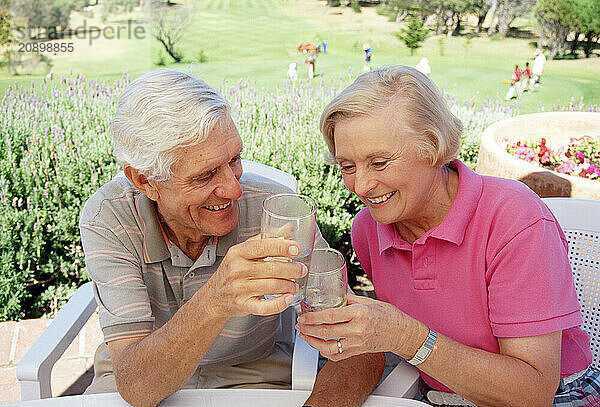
(380, 164)
(346, 168)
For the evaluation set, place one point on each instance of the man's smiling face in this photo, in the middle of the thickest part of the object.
(201, 197)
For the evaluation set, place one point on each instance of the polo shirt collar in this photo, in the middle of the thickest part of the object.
(224, 243)
(454, 225)
(155, 247)
(387, 234)
(470, 187)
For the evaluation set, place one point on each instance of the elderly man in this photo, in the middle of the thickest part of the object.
(178, 282)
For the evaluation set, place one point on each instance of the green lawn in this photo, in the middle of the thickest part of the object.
(257, 39)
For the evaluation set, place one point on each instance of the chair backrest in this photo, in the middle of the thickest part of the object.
(251, 167)
(288, 317)
(580, 221)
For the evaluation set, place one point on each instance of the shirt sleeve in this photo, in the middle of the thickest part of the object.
(530, 283)
(123, 302)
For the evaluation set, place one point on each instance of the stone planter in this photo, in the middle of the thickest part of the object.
(558, 128)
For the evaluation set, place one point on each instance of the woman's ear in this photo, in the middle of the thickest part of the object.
(141, 182)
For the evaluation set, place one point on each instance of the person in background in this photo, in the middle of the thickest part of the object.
(471, 272)
(423, 66)
(178, 280)
(292, 72)
(368, 53)
(527, 85)
(527, 71)
(538, 66)
(310, 62)
(516, 75)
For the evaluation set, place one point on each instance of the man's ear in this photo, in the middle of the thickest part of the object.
(142, 184)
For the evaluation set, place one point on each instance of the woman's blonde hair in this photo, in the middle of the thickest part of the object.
(416, 101)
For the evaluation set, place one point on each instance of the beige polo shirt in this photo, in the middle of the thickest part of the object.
(141, 279)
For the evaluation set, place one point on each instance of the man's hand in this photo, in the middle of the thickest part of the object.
(238, 285)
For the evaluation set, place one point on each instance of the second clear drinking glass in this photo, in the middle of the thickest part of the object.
(327, 281)
(293, 217)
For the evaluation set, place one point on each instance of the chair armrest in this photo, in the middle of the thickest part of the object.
(304, 365)
(403, 382)
(33, 370)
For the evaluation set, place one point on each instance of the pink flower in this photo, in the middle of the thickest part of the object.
(525, 153)
(567, 167)
(545, 152)
(580, 157)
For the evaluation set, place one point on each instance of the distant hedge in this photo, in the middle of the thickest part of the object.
(55, 152)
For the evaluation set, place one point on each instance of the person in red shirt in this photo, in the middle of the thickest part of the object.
(527, 71)
(516, 75)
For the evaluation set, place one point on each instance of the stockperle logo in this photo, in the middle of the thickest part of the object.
(130, 30)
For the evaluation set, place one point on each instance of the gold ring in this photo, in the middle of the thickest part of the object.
(339, 345)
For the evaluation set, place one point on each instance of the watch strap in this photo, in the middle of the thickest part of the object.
(425, 350)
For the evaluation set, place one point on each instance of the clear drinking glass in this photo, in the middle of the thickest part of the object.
(293, 217)
(327, 281)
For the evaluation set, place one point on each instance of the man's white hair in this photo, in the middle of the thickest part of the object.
(159, 113)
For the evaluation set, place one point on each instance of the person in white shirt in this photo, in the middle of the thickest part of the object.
(423, 66)
(538, 67)
(292, 72)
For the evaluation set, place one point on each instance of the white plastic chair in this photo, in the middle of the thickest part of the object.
(580, 221)
(34, 369)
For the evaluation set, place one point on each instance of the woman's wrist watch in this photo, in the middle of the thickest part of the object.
(425, 349)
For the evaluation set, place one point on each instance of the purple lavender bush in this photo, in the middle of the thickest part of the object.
(56, 152)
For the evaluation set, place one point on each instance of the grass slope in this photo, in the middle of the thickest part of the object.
(257, 39)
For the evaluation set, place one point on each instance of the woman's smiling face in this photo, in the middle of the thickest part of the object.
(380, 164)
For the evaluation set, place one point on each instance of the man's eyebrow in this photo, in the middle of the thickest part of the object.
(207, 172)
(200, 175)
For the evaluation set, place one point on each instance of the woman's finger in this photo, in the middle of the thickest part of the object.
(324, 331)
(331, 316)
(358, 299)
(330, 349)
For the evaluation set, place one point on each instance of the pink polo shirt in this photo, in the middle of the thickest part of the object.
(497, 266)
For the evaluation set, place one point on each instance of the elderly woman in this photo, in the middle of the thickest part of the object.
(471, 272)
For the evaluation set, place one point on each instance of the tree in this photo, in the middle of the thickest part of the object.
(5, 28)
(113, 7)
(507, 11)
(168, 24)
(46, 18)
(555, 18)
(414, 34)
(588, 22)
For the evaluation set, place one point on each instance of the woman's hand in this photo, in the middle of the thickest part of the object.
(363, 326)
